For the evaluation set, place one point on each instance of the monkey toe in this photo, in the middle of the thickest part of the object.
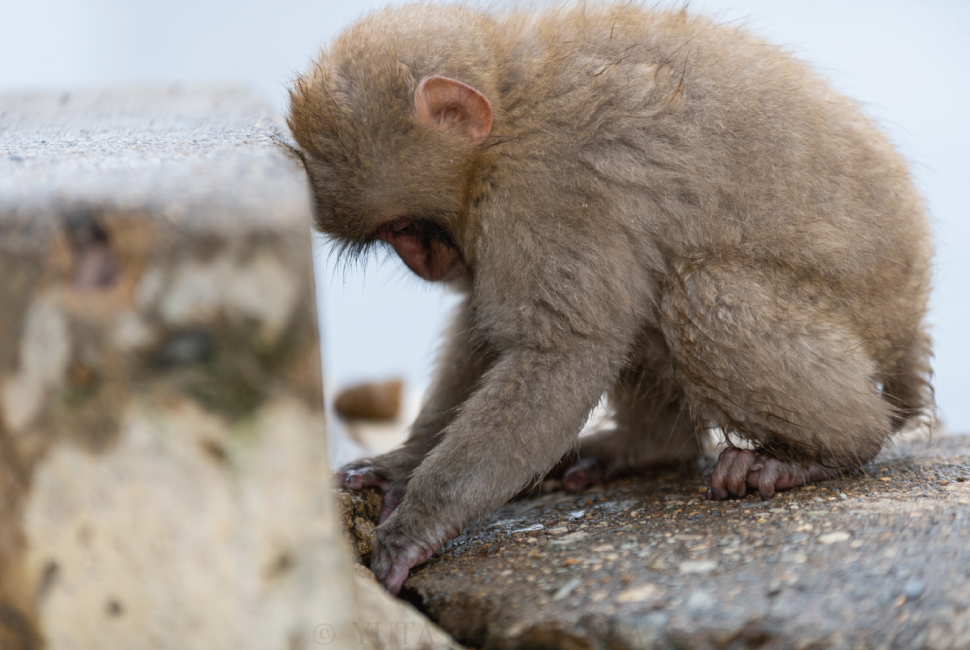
(581, 475)
(729, 478)
(771, 474)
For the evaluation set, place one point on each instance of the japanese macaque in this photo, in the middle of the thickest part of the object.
(636, 202)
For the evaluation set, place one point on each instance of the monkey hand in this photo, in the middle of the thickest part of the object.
(738, 469)
(389, 473)
(396, 549)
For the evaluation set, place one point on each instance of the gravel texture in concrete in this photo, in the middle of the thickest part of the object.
(197, 158)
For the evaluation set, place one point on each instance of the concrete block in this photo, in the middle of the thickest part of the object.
(163, 476)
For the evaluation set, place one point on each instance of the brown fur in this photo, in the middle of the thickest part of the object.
(665, 208)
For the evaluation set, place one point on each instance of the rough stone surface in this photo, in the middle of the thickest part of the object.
(196, 159)
(359, 510)
(392, 624)
(880, 559)
(163, 476)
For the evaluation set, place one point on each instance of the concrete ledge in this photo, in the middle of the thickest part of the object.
(162, 461)
(195, 158)
(879, 559)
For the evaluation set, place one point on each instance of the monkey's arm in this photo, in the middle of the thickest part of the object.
(526, 415)
(561, 316)
(461, 363)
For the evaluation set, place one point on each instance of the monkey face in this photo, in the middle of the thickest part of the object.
(381, 172)
(358, 212)
(425, 247)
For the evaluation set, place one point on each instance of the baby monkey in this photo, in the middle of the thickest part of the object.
(635, 202)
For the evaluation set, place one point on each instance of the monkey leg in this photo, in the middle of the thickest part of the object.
(460, 365)
(906, 390)
(652, 430)
(765, 355)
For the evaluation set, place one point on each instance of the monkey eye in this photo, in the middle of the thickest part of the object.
(404, 227)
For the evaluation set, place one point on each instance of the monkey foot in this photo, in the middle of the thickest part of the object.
(590, 471)
(381, 472)
(737, 470)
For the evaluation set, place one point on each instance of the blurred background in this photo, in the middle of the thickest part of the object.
(906, 60)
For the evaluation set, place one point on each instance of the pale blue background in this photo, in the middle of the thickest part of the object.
(906, 59)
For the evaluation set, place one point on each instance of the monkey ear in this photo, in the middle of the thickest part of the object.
(444, 103)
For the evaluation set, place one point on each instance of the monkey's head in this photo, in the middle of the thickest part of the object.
(394, 149)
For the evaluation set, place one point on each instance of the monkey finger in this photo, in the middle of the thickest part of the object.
(395, 577)
(356, 479)
(390, 501)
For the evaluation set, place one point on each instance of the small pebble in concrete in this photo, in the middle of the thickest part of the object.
(640, 594)
(914, 589)
(529, 529)
(694, 566)
(701, 602)
(567, 589)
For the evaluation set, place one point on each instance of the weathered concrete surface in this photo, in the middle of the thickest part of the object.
(880, 559)
(359, 511)
(196, 159)
(163, 476)
(391, 624)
